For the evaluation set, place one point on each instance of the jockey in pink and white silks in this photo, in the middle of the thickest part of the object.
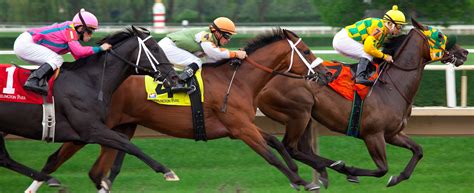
(45, 45)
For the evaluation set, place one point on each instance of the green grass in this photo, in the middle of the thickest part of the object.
(230, 166)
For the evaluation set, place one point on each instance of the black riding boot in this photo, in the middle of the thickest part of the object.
(37, 80)
(362, 74)
(187, 73)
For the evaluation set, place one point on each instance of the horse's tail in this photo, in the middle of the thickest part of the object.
(308, 140)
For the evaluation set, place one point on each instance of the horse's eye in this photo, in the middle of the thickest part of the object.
(307, 52)
(440, 36)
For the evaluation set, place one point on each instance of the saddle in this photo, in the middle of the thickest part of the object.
(344, 76)
(12, 82)
(183, 97)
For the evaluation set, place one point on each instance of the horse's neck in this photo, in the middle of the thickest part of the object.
(404, 83)
(255, 78)
(100, 76)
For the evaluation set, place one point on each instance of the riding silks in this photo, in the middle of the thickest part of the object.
(178, 99)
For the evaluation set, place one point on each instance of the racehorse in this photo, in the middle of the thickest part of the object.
(385, 112)
(268, 54)
(82, 92)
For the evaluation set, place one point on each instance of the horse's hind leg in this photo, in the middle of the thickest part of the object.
(109, 138)
(105, 162)
(7, 162)
(402, 140)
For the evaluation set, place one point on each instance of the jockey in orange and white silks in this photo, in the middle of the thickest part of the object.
(362, 40)
(185, 48)
(45, 45)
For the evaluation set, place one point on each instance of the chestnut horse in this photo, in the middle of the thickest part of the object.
(294, 103)
(82, 92)
(268, 54)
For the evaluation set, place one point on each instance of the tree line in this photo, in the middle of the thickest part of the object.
(324, 12)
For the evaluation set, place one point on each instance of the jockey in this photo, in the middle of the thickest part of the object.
(185, 48)
(43, 46)
(361, 40)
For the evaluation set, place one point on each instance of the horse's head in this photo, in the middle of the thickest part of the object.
(442, 47)
(290, 53)
(137, 48)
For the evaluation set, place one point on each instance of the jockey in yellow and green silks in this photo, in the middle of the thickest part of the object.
(362, 40)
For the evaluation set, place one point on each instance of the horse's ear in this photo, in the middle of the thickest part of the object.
(134, 29)
(289, 33)
(418, 25)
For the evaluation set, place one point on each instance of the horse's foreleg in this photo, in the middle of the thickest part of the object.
(404, 141)
(273, 142)
(251, 136)
(376, 147)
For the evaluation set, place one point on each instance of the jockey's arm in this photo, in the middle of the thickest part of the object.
(79, 51)
(370, 48)
(216, 53)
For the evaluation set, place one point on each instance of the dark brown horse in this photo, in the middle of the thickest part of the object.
(385, 112)
(82, 92)
(273, 51)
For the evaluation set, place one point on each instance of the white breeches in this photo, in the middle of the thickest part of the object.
(347, 46)
(33, 53)
(177, 56)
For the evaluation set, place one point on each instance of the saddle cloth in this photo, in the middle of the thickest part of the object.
(12, 79)
(344, 79)
(178, 99)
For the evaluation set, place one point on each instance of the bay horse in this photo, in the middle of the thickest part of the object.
(385, 112)
(268, 54)
(82, 92)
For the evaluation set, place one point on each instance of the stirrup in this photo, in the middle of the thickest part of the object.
(187, 90)
(364, 82)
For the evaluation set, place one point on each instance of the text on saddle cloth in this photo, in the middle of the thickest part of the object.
(178, 99)
(12, 79)
(343, 82)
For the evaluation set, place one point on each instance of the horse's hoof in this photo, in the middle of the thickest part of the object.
(353, 179)
(102, 190)
(171, 176)
(324, 182)
(52, 182)
(311, 187)
(105, 185)
(392, 181)
(294, 186)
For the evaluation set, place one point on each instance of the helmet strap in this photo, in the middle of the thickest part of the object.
(213, 25)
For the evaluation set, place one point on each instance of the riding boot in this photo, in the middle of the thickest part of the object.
(187, 73)
(37, 80)
(362, 73)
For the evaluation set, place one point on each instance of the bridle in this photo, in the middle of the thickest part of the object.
(151, 58)
(425, 42)
(286, 73)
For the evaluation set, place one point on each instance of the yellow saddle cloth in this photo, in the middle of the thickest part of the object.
(179, 99)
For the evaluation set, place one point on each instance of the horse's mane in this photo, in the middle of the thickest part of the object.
(112, 39)
(391, 46)
(118, 36)
(261, 40)
(256, 43)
